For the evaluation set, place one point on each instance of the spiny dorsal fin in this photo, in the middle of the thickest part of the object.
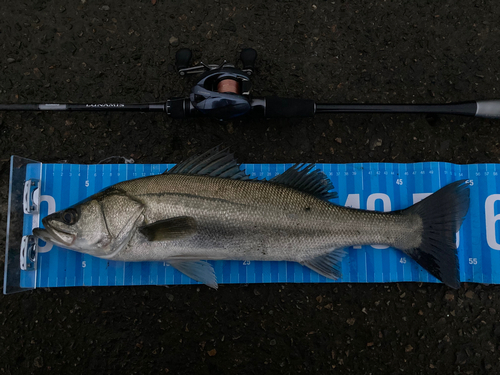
(308, 181)
(214, 163)
(327, 265)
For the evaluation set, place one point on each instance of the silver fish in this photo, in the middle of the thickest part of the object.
(206, 208)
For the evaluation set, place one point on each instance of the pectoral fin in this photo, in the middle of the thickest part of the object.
(170, 229)
(327, 265)
(198, 270)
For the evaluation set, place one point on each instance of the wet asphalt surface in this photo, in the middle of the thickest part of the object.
(341, 51)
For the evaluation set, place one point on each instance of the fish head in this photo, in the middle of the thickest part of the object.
(97, 226)
(81, 227)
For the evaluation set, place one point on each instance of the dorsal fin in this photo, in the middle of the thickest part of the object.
(214, 163)
(303, 178)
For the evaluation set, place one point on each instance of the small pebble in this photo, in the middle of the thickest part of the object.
(449, 297)
(174, 42)
(38, 362)
(470, 294)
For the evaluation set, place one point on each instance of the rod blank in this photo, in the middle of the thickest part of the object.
(464, 109)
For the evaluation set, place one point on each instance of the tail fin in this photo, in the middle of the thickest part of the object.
(442, 215)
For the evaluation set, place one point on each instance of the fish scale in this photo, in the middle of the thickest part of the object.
(253, 220)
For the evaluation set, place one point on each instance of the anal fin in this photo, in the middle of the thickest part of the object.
(328, 265)
(198, 270)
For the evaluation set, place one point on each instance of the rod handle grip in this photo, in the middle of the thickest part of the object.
(289, 107)
(19, 107)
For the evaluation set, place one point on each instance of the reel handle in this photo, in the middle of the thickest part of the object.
(248, 57)
(183, 58)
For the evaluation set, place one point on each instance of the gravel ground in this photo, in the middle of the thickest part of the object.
(340, 51)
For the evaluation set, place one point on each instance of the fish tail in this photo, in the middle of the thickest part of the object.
(442, 214)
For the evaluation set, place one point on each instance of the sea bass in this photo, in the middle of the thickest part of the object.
(207, 208)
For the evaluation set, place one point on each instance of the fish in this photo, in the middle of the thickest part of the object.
(208, 208)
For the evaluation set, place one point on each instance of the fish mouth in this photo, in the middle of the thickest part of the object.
(58, 237)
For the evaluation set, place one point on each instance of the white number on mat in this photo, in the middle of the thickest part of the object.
(491, 221)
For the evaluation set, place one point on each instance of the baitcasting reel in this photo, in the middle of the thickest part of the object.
(222, 91)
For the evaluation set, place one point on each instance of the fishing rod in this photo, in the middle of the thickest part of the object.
(223, 92)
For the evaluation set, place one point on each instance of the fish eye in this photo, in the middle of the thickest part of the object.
(70, 216)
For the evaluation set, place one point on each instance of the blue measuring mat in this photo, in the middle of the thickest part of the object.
(372, 186)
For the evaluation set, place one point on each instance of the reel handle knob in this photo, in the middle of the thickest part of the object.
(183, 58)
(248, 57)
